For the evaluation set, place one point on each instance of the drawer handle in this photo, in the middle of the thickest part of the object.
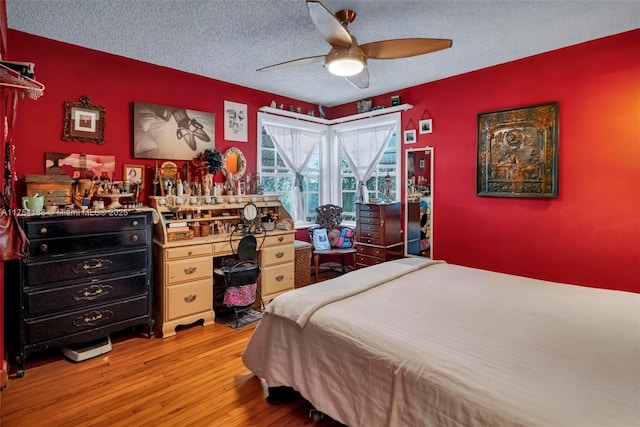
(280, 278)
(91, 266)
(279, 254)
(190, 298)
(382, 223)
(190, 270)
(280, 239)
(190, 253)
(134, 222)
(92, 292)
(134, 238)
(43, 230)
(92, 318)
(43, 247)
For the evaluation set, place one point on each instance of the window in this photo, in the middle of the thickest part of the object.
(327, 171)
(299, 148)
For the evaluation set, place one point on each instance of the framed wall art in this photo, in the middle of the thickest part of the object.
(83, 121)
(426, 126)
(235, 125)
(133, 174)
(161, 132)
(410, 136)
(518, 152)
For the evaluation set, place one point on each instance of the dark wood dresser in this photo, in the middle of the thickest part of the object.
(378, 233)
(86, 277)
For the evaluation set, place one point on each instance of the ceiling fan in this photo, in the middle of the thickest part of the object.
(349, 59)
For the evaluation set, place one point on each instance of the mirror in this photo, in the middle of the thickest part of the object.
(233, 167)
(233, 163)
(418, 197)
(168, 175)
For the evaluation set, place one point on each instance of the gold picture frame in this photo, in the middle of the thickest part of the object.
(518, 152)
(83, 121)
(133, 174)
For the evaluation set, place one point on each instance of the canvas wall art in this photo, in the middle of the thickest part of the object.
(161, 132)
(80, 165)
(235, 125)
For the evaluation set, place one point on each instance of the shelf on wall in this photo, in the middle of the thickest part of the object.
(372, 113)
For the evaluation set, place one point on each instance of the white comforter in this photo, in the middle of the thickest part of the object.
(445, 345)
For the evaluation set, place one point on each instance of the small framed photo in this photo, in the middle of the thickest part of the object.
(83, 121)
(426, 126)
(133, 174)
(410, 136)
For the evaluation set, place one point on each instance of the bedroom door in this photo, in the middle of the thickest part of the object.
(418, 202)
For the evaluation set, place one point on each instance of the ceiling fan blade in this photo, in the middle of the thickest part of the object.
(360, 80)
(328, 25)
(403, 48)
(301, 61)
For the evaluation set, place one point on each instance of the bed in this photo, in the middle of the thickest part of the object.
(416, 342)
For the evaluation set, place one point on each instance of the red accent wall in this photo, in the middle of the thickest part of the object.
(115, 82)
(590, 234)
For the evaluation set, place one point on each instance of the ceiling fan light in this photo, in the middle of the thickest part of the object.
(345, 67)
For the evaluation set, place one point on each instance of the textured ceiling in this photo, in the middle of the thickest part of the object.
(229, 39)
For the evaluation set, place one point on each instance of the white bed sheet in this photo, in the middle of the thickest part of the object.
(447, 345)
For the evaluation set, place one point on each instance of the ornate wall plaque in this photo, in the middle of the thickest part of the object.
(518, 152)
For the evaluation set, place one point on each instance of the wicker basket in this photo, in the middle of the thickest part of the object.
(302, 263)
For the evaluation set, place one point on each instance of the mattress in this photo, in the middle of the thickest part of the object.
(421, 343)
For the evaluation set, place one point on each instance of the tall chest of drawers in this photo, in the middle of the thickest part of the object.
(86, 277)
(378, 233)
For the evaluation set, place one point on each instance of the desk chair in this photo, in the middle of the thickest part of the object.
(241, 276)
(342, 239)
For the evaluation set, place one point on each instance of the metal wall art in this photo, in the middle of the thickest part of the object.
(518, 152)
(83, 121)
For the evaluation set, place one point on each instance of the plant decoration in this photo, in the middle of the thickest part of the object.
(211, 160)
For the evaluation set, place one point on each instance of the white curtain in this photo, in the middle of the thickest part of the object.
(363, 149)
(295, 147)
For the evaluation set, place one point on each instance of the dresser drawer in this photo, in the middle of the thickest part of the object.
(188, 251)
(189, 269)
(279, 239)
(189, 298)
(277, 278)
(44, 300)
(366, 260)
(372, 208)
(371, 251)
(369, 238)
(72, 226)
(53, 327)
(277, 255)
(369, 222)
(222, 248)
(75, 245)
(86, 267)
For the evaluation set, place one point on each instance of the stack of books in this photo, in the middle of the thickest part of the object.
(177, 227)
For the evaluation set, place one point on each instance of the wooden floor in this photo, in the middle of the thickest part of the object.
(195, 378)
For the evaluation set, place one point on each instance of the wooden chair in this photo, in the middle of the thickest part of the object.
(330, 217)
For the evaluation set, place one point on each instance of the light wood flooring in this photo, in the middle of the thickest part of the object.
(195, 378)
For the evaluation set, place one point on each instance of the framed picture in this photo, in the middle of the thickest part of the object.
(235, 125)
(518, 152)
(83, 121)
(133, 174)
(161, 132)
(410, 136)
(426, 126)
(421, 165)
